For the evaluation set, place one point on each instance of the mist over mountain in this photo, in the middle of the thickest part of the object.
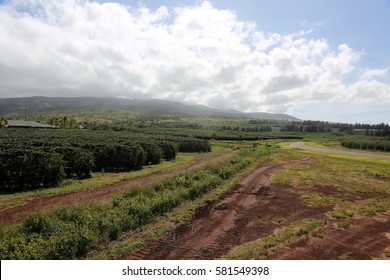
(38, 104)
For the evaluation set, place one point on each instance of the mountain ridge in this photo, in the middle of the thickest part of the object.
(37, 104)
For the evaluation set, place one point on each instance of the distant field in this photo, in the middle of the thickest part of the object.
(318, 148)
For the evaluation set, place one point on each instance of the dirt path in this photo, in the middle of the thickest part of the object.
(302, 146)
(251, 210)
(365, 239)
(254, 209)
(36, 202)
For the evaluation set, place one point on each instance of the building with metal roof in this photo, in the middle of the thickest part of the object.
(28, 124)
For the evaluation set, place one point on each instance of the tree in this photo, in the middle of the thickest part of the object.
(3, 123)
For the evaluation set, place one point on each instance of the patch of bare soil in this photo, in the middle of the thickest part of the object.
(346, 195)
(365, 239)
(36, 202)
(382, 177)
(252, 209)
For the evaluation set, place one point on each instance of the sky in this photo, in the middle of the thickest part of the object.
(319, 59)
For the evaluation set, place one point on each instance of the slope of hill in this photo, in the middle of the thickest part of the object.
(150, 107)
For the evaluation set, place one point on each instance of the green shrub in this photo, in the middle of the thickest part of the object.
(119, 157)
(38, 223)
(168, 149)
(194, 146)
(153, 152)
(70, 242)
(23, 169)
(78, 161)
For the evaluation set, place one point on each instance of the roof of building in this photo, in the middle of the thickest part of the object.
(28, 124)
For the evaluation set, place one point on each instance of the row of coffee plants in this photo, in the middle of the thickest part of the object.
(376, 145)
(31, 159)
(71, 232)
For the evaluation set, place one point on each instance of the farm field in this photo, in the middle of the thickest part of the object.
(178, 189)
(13, 214)
(194, 130)
(287, 208)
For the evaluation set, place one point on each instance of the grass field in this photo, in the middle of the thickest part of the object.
(354, 188)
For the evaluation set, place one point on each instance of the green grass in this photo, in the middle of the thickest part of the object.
(344, 224)
(335, 145)
(343, 172)
(348, 177)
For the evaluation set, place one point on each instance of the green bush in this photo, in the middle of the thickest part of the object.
(70, 242)
(194, 146)
(168, 149)
(38, 223)
(78, 161)
(23, 169)
(153, 152)
(119, 157)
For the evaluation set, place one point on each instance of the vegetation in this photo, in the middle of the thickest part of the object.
(322, 127)
(31, 159)
(353, 186)
(3, 123)
(29, 169)
(101, 145)
(97, 180)
(70, 232)
(376, 145)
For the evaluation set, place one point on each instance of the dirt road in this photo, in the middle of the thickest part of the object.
(251, 210)
(255, 208)
(302, 146)
(36, 202)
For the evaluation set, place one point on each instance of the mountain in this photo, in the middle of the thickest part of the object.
(38, 104)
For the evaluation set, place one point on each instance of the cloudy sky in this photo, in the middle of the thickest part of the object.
(324, 59)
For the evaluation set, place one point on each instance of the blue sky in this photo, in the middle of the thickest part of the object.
(362, 24)
(325, 60)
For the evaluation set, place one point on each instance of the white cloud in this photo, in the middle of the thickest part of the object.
(370, 74)
(195, 54)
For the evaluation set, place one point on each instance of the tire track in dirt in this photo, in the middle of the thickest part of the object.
(365, 239)
(36, 202)
(252, 209)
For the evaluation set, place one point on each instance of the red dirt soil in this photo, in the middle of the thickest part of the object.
(365, 239)
(253, 209)
(36, 202)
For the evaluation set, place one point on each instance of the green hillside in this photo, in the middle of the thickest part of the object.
(16, 107)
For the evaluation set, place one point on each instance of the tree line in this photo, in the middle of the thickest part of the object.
(376, 145)
(381, 129)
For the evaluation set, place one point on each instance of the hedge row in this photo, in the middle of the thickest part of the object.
(367, 145)
(28, 169)
(31, 159)
(246, 137)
